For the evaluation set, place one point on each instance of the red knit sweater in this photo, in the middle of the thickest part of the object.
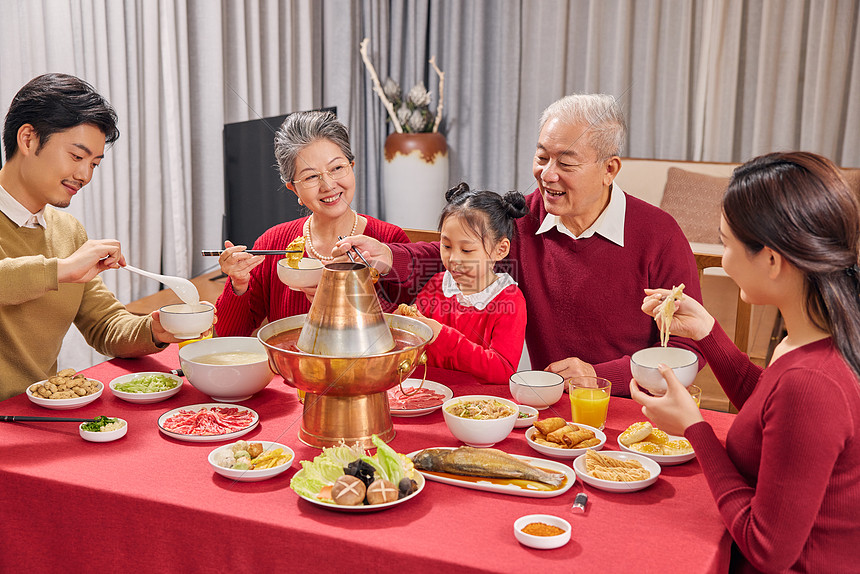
(485, 343)
(584, 296)
(787, 483)
(268, 297)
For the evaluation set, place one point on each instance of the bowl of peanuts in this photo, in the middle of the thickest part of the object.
(65, 390)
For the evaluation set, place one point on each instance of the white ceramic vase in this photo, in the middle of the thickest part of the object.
(415, 179)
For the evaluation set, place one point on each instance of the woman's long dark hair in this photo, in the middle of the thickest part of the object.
(800, 205)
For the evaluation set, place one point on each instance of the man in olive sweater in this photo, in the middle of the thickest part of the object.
(584, 254)
(54, 137)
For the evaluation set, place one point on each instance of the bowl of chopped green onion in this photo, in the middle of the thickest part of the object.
(145, 388)
(103, 429)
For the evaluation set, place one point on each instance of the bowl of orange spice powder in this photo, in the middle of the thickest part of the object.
(542, 531)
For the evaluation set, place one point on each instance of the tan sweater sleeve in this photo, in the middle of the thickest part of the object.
(26, 278)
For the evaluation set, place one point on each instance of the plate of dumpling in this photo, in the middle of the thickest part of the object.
(559, 438)
(616, 471)
(665, 449)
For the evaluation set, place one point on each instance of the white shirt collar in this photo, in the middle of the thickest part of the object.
(609, 224)
(19, 214)
(477, 300)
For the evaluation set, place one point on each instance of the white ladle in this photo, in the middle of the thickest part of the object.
(184, 288)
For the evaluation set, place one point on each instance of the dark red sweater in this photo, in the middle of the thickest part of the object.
(787, 483)
(485, 343)
(267, 296)
(584, 296)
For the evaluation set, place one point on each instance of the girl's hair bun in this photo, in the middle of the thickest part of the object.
(515, 203)
(457, 191)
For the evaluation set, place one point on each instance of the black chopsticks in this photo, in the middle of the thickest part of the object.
(17, 418)
(216, 253)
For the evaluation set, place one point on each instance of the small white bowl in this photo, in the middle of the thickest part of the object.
(187, 321)
(524, 421)
(565, 452)
(542, 542)
(64, 404)
(480, 432)
(100, 436)
(253, 475)
(307, 275)
(538, 389)
(144, 398)
(226, 383)
(683, 362)
(611, 485)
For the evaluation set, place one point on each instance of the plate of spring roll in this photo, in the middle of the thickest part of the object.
(559, 438)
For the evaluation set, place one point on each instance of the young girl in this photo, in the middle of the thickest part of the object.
(786, 482)
(478, 316)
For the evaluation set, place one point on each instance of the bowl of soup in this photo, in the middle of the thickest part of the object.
(228, 369)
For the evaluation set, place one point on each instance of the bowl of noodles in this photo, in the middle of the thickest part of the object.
(683, 362)
(480, 420)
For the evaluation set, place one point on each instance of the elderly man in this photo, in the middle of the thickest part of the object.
(585, 255)
(54, 136)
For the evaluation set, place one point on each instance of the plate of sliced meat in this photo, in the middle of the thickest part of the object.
(208, 422)
(424, 401)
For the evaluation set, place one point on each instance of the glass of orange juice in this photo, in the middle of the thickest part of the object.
(695, 392)
(589, 400)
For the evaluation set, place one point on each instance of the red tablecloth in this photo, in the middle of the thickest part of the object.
(150, 502)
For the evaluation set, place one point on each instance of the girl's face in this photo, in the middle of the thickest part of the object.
(748, 271)
(465, 256)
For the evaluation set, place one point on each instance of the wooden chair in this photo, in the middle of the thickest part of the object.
(709, 258)
(421, 234)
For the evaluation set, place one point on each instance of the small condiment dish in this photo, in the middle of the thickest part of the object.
(187, 321)
(144, 398)
(643, 364)
(542, 542)
(104, 436)
(528, 415)
(538, 389)
(307, 275)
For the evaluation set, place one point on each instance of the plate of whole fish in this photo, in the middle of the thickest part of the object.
(493, 470)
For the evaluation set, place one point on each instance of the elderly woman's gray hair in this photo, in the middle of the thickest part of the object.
(607, 130)
(302, 129)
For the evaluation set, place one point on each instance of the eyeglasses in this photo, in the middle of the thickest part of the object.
(313, 181)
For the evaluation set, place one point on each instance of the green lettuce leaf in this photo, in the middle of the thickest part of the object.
(388, 461)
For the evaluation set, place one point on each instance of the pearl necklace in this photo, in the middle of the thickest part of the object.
(309, 244)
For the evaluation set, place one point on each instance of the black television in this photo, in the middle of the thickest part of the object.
(255, 198)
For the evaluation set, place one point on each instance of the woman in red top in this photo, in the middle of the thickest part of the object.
(316, 163)
(478, 316)
(787, 482)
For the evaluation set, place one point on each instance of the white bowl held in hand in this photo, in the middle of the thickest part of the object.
(228, 383)
(187, 321)
(538, 389)
(307, 275)
(683, 362)
(480, 432)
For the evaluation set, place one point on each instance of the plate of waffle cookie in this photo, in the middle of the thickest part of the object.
(649, 441)
(616, 471)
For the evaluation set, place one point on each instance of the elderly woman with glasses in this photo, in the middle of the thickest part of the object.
(316, 163)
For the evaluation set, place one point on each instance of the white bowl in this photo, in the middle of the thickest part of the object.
(253, 475)
(538, 389)
(477, 432)
(683, 362)
(187, 321)
(307, 275)
(565, 452)
(528, 415)
(611, 485)
(64, 404)
(100, 436)
(144, 398)
(542, 542)
(226, 383)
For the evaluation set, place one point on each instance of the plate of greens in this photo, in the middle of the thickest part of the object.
(145, 388)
